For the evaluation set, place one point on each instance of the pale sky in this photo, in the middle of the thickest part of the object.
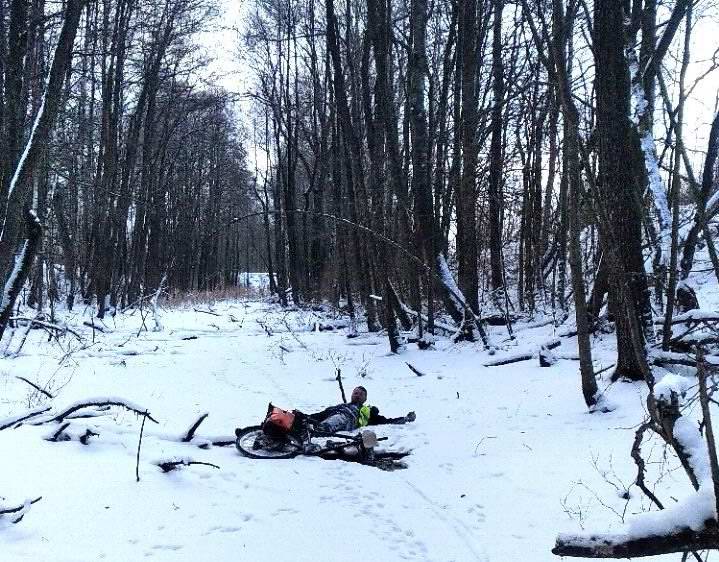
(223, 44)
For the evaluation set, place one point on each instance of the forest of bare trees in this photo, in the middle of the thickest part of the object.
(475, 159)
(129, 158)
(424, 166)
(447, 166)
(532, 152)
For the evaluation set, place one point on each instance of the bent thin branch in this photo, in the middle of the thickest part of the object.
(193, 428)
(101, 402)
(36, 387)
(13, 421)
(168, 466)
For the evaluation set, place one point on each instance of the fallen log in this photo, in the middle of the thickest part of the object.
(664, 358)
(694, 315)
(526, 356)
(59, 434)
(510, 359)
(622, 546)
(499, 319)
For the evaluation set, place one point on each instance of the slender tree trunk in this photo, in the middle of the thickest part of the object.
(496, 171)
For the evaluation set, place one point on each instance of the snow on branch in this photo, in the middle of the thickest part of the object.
(21, 267)
(193, 428)
(688, 525)
(649, 152)
(102, 401)
(622, 546)
(526, 356)
(18, 512)
(14, 420)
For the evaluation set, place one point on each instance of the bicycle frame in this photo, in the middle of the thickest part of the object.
(364, 441)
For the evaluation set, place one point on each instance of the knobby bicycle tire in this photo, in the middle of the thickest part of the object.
(247, 445)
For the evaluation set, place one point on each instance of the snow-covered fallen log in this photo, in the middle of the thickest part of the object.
(690, 524)
(625, 546)
(664, 358)
(523, 356)
(695, 315)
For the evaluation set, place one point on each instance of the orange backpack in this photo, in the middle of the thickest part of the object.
(278, 421)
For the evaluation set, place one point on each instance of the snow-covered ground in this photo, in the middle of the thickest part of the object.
(502, 458)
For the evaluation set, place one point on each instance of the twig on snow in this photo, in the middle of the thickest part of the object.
(168, 466)
(206, 312)
(414, 369)
(95, 327)
(36, 387)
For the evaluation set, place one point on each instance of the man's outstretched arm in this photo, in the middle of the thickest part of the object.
(375, 418)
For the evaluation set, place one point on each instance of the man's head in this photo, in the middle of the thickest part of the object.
(359, 395)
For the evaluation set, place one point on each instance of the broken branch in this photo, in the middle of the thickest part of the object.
(414, 369)
(36, 387)
(193, 428)
(14, 420)
(101, 402)
(168, 466)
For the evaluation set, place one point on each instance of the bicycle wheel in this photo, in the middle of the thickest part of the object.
(253, 443)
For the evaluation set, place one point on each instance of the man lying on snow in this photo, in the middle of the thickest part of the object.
(355, 414)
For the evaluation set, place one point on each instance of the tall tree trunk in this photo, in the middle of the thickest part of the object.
(467, 186)
(421, 181)
(496, 171)
(621, 183)
(26, 167)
